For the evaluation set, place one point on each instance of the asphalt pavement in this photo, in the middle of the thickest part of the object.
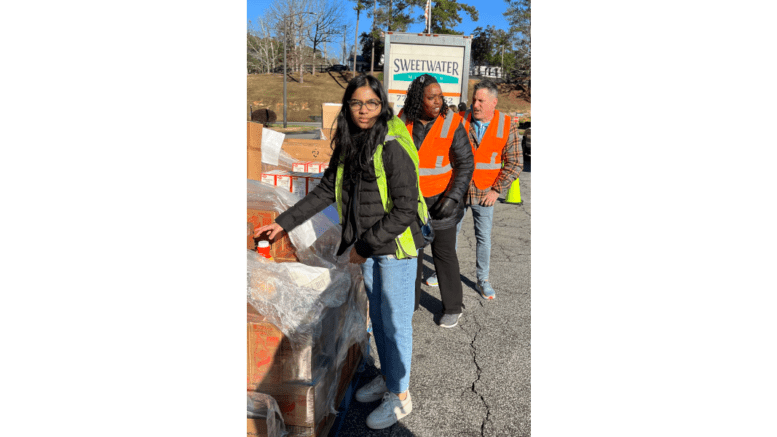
(473, 379)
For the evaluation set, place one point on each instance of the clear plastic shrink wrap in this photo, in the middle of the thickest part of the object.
(293, 296)
(263, 407)
(297, 297)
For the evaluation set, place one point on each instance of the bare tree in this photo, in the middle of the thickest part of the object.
(327, 24)
(261, 46)
(293, 19)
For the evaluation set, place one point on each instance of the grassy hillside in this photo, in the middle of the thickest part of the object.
(305, 99)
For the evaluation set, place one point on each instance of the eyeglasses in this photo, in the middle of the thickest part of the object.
(371, 105)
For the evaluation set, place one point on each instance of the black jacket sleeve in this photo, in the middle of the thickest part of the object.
(463, 164)
(403, 188)
(316, 201)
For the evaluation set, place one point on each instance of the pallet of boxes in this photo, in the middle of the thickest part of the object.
(306, 308)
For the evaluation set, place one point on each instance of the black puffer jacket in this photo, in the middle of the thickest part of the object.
(463, 165)
(363, 218)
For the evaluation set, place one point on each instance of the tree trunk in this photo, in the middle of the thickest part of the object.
(313, 71)
(301, 60)
(355, 42)
(372, 56)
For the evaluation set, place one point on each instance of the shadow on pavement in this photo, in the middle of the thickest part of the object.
(430, 303)
(465, 281)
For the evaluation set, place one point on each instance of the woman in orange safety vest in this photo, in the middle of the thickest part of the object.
(445, 167)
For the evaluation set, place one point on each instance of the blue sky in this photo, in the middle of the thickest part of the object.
(489, 11)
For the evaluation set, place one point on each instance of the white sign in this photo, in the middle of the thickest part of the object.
(408, 61)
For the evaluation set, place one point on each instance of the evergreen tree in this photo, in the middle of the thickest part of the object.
(518, 15)
(367, 40)
(394, 15)
(445, 15)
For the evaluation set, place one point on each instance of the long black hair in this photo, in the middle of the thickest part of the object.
(413, 109)
(351, 144)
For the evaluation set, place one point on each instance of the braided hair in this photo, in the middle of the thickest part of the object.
(413, 109)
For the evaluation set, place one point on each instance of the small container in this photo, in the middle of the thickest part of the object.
(263, 248)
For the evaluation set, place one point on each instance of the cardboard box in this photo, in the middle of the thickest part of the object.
(294, 181)
(271, 177)
(313, 180)
(264, 350)
(272, 361)
(251, 242)
(310, 166)
(308, 150)
(270, 358)
(329, 112)
(295, 404)
(299, 183)
(326, 134)
(254, 149)
(299, 149)
(258, 428)
(300, 166)
(306, 405)
(281, 250)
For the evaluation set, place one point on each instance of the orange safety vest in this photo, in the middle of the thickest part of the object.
(434, 167)
(488, 156)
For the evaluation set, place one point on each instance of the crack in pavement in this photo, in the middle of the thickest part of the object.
(473, 351)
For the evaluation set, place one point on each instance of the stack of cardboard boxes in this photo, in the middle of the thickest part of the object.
(307, 377)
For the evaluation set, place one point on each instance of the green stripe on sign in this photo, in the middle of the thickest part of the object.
(441, 78)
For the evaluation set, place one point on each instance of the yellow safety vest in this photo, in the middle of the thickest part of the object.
(405, 245)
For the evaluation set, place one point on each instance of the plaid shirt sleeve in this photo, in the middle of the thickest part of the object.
(512, 157)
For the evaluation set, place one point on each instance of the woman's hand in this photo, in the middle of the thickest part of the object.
(355, 258)
(273, 228)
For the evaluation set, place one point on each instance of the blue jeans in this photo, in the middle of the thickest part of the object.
(483, 216)
(390, 287)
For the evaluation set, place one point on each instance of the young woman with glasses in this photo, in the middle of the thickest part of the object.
(373, 180)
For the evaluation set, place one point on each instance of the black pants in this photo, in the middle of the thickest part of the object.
(446, 263)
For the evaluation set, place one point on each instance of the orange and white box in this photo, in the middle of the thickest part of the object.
(299, 183)
(309, 166)
(301, 166)
(313, 180)
(283, 180)
(279, 178)
(317, 167)
(268, 177)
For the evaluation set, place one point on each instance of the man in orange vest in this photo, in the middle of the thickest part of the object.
(496, 146)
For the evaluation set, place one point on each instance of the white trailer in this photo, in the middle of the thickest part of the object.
(409, 55)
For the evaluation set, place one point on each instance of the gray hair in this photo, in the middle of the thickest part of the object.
(487, 84)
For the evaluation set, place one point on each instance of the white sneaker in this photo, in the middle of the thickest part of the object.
(372, 391)
(391, 410)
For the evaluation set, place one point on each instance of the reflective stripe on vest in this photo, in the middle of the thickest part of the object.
(397, 131)
(488, 155)
(434, 166)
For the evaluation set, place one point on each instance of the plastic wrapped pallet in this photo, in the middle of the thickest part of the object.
(264, 416)
(319, 307)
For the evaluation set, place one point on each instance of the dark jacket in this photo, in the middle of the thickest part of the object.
(463, 165)
(363, 216)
